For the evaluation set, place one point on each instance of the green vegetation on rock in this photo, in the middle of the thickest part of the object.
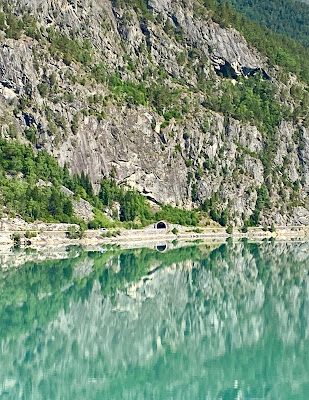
(202, 110)
(288, 17)
(31, 186)
(280, 49)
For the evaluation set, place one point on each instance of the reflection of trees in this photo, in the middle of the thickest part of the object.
(36, 292)
(208, 318)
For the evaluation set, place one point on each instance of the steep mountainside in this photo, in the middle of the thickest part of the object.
(288, 17)
(167, 97)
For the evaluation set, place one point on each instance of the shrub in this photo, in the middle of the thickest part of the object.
(75, 233)
(30, 134)
(176, 215)
(229, 230)
(16, 237)
(43, 89)
(30, 235)
(93, 224)
(244, 229)
(178, 148)
(164, 124)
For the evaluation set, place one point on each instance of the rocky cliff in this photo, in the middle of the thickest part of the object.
(132, 90)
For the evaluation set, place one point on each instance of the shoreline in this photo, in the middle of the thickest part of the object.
(11, 256)
(54, 245)
(56, 237)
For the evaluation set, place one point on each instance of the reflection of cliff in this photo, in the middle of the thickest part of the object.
(37, 292)
(232, 323)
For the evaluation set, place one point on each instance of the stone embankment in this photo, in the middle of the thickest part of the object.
(38, 234)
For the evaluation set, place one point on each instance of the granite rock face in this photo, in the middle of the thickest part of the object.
(83, 123)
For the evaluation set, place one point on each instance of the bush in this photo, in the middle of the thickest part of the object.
(93, 224)
(43, 89)
(229, 230)
(244, 229)
(175, 231)
(16, 237)
(30, 235)
(30, 134)
(176, 215)
(164, 124)
(75, 233)
(107, 234)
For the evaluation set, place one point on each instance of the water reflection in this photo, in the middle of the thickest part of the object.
(230, 322)
(162, 247)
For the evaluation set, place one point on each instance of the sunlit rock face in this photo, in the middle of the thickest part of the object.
(200, 153)
(139, 324)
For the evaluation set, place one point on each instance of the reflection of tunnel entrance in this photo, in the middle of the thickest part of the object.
(161, 225)
(162, 248)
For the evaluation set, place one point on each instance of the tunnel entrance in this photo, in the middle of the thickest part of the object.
(161, 248)
(161, 225)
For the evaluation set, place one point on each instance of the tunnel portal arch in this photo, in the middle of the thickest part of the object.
(161, 225)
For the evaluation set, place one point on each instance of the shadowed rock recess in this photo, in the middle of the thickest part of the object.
(106, 323)
(161, 95)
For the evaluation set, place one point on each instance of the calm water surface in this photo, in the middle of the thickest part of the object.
(225, 322)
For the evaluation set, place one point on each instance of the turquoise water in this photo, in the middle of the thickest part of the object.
(226, 322)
